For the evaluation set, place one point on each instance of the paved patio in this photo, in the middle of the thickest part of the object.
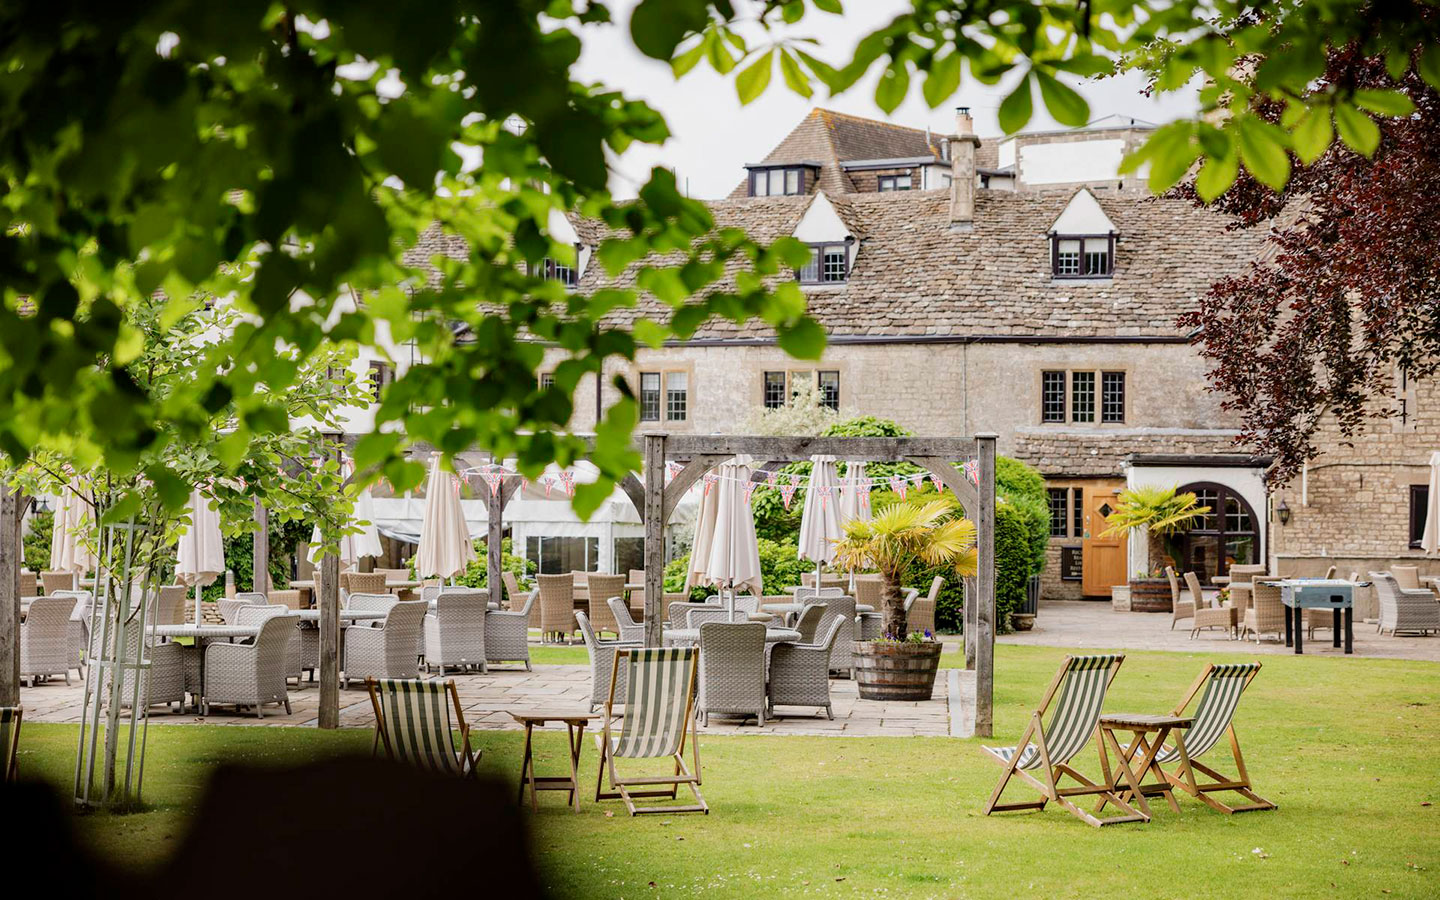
(487, 700)
(1096, 624)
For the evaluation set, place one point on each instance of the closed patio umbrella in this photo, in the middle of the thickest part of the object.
(725, 551)
(854, 501)
(69, 551)
(354, 547)
(820, 521)
(201, 554)
(1430, 539)
(445, 549)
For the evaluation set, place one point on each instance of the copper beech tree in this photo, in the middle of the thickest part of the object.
(1343, 303)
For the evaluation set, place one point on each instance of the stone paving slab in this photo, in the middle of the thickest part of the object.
(487, 699)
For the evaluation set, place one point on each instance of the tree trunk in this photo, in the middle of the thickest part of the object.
(896, 623)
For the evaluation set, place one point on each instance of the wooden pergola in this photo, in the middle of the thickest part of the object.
(655, 501)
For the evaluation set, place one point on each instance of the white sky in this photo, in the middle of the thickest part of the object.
(713, 136)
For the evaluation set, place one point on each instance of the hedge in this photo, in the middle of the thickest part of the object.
(780, 567)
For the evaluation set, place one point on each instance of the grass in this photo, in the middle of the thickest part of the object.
(1344, 746)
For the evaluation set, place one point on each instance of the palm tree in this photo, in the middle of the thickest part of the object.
(1162, 511)
(900, 535)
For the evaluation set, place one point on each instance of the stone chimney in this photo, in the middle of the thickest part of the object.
(962, 171)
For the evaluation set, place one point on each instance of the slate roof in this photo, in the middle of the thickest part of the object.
(1060, 454)
(914, 276)
(830, 137)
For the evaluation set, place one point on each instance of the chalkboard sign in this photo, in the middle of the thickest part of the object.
(1070, 564)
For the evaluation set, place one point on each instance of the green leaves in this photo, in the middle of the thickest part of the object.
(1063, 102)
(1386, 103)
(753, 80)
(1017, 107)
(943, 79)
(1312, 135)
(1262, 148)
(1357, 130)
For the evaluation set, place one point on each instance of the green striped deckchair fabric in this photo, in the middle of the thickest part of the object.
(1214, 711)
(417, 723)
(1077, 712)
(659, 694)
(9, 740)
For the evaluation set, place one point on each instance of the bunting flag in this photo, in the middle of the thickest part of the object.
(824, 492)
(671, 470)
(865, 485)
(494, 479)
(749, 490)
(771, 478)
(900, 486)
(788, 490)
(549, 482)
(567, 480)
(972, 471)
(710, 479)
(939, 484)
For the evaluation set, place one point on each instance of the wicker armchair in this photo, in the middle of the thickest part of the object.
(1206, 617)
(1241, 578)
(1400, 609)
(44, 639)
(59, 581)
(255, 614)
(171, 608)
(809, 621)
(455, 631)
(29, 584)
(627, 627)
(800, 673)
(704, 614)
(382, 603)
(507, 634)
(842, 656)
(602, 588)
(167, 683)
(77, 630)
(678, 612)
(732, 669)
(229, 606)
(557, 606)
(1266, 614)
(1180, 609)
(921, 613)
(251, 674)
(388, 651)
(367, 583)
(289, 599)
(393, 574)
(602, 662)
(1407, 578)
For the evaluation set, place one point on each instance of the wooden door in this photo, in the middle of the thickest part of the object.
(1103, 560)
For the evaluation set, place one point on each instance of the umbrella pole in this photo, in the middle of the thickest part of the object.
(197, 604)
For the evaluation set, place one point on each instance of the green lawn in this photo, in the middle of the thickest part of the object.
(1344, 746)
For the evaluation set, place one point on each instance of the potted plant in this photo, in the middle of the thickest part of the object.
(1164, 514)
(900, 665)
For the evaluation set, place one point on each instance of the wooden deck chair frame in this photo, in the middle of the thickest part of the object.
(468, 757)
(1184, 775)
(662, 786)
(8, 755)
(1050, 788)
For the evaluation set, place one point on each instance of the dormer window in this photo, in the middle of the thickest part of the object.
(550, 270)
(829, 264)
(1082, 256)
(780, 181)
(1082, 240)
(893, 183)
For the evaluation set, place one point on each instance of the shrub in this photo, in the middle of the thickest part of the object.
(1012, 563)
(1024, 488)
(476, 574)
(780, 567)
(36, 548)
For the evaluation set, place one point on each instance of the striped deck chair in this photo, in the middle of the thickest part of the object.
(661, 704)
(412, 719)
(9, 740)
(1214, 717)
(1081, 684)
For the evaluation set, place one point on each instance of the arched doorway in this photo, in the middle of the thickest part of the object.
(1228, 535)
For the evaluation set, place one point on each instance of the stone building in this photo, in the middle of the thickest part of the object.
(1021, 286)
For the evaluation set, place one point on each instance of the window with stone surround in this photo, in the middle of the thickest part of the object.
(1082, 256)
(1071, 397)
(665, 395)
(774, 394)
(676, 396)
(829, 264)
(1059, 512)
(649, 396)
(779, 387)
(1419, 499)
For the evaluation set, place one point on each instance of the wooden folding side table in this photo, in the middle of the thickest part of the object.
(575, 727)
(1150, 733)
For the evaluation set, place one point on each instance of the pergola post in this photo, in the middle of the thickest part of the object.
(329, 601)
(495, 526)
(985, 584)
(260, 556)
(10, 507)
(970, 612)
(654, 515)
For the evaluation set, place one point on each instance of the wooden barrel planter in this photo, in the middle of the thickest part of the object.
(1151, 595)
(889, 671)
